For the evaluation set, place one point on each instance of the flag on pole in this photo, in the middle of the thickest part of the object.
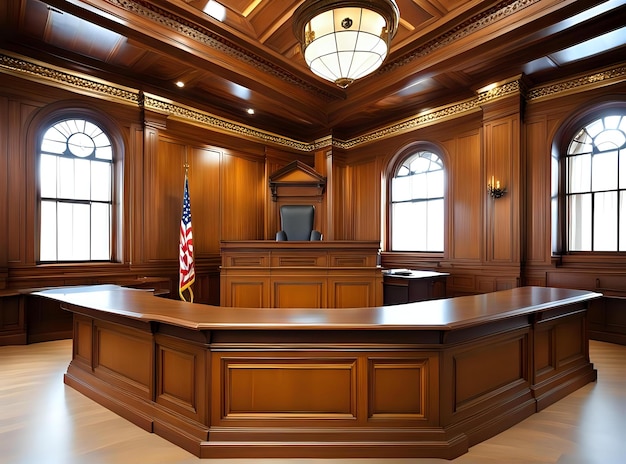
(187, 274)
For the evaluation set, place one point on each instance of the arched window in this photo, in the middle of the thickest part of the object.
(417, 206)
(76, 192)
(595, 185)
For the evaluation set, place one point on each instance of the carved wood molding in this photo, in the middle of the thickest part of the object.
(29, 69)
(297, 179)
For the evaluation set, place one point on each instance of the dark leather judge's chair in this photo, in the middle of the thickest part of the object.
(297, 223)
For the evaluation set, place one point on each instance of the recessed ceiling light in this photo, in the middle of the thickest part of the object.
(250, 111)
(180, 84)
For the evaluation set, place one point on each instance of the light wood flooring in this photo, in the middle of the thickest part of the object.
(42, 421)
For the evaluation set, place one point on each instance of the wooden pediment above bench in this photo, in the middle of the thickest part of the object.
(297, 180)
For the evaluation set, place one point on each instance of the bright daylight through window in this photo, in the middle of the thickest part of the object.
(596, 186)
(76, 178)
(417, 206)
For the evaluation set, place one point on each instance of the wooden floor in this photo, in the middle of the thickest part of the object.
(42, 421)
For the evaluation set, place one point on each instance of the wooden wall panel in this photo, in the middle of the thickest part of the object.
(538, 193)
(365, 209)
(341, 219)
(165, 179)
(348, 293)
(134, 196)
(310, 293)
(502, 136)
(247, 292)
(204, 192)
(4, 191)
(469, 194)
(243, 199)
(20, 184)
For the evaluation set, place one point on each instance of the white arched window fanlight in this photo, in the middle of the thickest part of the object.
(76, 192)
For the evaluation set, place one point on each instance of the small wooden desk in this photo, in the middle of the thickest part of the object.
(408, 286)
(427, 379)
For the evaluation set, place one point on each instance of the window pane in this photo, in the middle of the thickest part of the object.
(48, 176)
(65, 188)
(74, 232)
(100, 228)
(435, 232)
(622, 221)
(435, 184)
(417, 219)
(77, 170)
(105, 153)
(595, 127)
(419, 186)
(48, 235)
(604, 171)
(401, 188)
(409, 233)
(612, 122)
(622, 169)
(82, 179)
(100, 181)
(605, 221)
(578, 170)
(580, 222)
(610, 140)
(554, 166)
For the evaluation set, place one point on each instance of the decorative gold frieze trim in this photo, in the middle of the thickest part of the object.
(437, 115)
(188, 114)
(40, 72)
(44, 73)
(588, 82)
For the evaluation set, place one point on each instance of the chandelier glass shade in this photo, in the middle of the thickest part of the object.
(345, 40)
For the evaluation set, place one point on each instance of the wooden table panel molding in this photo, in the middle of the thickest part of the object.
(317, 274)
(426, 379)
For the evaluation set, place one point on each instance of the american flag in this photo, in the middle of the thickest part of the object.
(187, 274)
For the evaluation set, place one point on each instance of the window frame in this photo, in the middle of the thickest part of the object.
(114, 135)
(560, 194)
(393, 166)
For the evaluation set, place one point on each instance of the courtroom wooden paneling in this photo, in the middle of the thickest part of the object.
(487, 240)
(503, 160)
(366, 186)
(242, 197)
(164, 181)
(466, 199)
(427, 379)
(538, 193)
(4, 181)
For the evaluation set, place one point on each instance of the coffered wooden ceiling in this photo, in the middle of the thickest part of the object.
(241, 54)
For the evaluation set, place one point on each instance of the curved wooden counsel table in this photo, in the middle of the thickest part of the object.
(427, 379)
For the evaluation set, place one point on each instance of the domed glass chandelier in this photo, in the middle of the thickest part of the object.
(345, 40)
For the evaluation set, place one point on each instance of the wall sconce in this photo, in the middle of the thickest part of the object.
(494, 189)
